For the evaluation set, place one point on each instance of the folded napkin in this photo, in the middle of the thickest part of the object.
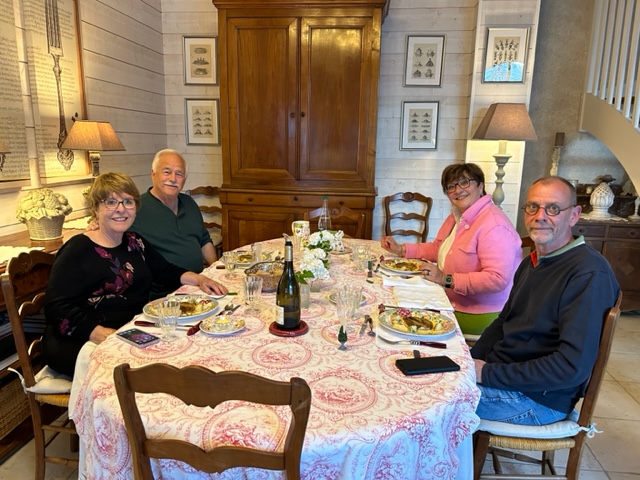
(397, 281)
(431, 296)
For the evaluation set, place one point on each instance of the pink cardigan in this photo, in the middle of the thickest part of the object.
(482, 259)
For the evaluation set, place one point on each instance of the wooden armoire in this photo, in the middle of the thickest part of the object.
(298, 104)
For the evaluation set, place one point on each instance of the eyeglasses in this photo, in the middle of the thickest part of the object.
(112, 203)
(551, 210)
(463, 183)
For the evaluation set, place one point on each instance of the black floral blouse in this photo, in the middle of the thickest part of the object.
(92, 285)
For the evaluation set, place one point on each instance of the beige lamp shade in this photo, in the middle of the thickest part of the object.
(503, 122)
(506, 121)
(94, 137)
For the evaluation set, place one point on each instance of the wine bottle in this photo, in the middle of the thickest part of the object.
(288, 294)
(324, 220)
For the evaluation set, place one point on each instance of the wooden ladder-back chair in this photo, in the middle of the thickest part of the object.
(196, 385)
(418, 216)
(211, 213)
(23, 285)
(349, 221)
(548, 438)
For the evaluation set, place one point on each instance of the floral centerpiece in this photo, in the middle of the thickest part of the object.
(315, 255)
(43, 211)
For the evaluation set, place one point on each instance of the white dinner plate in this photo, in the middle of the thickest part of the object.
(406, 266)
(221, 325)
(332, 298)
(391, 320)
(203, 305)
(245, 258)
(346, 251)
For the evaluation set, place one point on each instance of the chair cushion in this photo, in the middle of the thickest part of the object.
(47, 381)
(564, 428)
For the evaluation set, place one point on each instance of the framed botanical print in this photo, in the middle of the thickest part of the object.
(419, 128)
(506, 55)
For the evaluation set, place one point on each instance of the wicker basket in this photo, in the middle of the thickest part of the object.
(45, 228)
(270, 273)
(14, 406)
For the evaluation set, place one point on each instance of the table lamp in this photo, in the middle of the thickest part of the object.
(93, 137)
(503, 122)
(3, 149)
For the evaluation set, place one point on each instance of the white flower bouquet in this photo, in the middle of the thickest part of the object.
(315, 256)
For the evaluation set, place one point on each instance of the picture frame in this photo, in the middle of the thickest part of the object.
(505, 55)
(202, 121)
(200, 60)
(419, 125)
(424, 61)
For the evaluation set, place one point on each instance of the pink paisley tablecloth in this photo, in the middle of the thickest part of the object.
(367, 421)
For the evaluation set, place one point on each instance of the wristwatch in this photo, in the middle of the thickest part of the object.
(448, 281)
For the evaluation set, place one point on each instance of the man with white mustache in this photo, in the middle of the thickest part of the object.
(171, 221)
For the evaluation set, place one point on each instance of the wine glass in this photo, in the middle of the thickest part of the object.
(344, 309)
(252, 292)
(230, 260)
(169, 312)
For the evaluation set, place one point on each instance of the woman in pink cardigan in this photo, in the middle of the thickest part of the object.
(476, 252)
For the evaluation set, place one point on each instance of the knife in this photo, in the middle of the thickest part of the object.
(413, 308)
(433, 344)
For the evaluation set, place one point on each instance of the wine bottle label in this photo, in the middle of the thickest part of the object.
(279, 315)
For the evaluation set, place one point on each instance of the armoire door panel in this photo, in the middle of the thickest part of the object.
(263, 98)
(335, 94)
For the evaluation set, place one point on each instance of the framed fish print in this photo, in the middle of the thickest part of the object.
(419, 130)
(202, 120)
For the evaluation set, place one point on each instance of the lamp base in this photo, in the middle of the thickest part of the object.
(498, 193)
(95, 163)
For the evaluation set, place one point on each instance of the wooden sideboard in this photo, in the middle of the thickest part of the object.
(298, 111)
(619, 243)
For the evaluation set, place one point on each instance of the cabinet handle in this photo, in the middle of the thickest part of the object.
(295, 199)
(292, 115)
(250, 199)
(341, 203)
(633, 233)
(581, 230)
(302, 114)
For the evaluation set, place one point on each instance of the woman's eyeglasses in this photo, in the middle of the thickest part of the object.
(551, 210)
(112, 203)
(463, 183)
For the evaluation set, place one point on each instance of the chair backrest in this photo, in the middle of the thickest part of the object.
(527, 246)
(23, 285)
(349, 221)
(211, 212)
(419, 216)
(597, 374)
(198, 386)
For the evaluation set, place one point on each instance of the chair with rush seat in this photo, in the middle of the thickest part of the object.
(200, 387)
(494, 437)
(23, 285)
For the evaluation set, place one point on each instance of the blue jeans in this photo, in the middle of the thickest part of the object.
(514, 407)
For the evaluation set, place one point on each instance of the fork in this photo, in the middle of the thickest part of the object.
(413, 342)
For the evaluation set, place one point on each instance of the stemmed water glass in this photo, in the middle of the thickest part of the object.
(252, 292)
(230, 260)
(169, 311)
(344, 308)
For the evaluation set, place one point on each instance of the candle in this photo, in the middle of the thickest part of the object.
(559, 139)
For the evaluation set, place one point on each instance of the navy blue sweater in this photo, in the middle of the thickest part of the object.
(545, 341)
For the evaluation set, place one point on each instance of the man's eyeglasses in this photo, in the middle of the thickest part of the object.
(551, 210)
(463, 183)
(112, 203)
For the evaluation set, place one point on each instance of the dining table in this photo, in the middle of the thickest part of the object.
(367, 421)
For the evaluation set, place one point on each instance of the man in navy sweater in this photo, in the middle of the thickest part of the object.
(533, 362)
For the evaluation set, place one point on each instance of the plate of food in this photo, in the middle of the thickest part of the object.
(417, 323)
(332, 298)
(192, 306)
(344, 251)
(409, 266)
(222, 325)
(245, 258)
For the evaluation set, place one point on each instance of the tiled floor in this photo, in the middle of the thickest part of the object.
(612, 454)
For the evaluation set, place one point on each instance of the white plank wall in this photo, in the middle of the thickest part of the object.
(134, 78)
